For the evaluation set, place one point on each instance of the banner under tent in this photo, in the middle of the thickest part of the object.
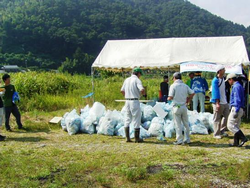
(203, 53)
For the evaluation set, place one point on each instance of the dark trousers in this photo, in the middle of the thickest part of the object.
(14, 110)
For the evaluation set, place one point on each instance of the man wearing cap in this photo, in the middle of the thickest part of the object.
(237, 102)
(199, 86)
(131, 89)
(180, 94)
(219, 103)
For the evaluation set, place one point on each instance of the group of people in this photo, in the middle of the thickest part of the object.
(8, 105)
(226, 116)
(196, 82)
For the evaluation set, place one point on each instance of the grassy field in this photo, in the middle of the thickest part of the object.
(46, 156)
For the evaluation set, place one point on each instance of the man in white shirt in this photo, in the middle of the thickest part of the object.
(180, 94)
(220, 104)
(132, 89)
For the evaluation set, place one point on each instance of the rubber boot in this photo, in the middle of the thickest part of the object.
(137, 136)
(2, 138)
(236, 140)
(127, 134)
(243, 138)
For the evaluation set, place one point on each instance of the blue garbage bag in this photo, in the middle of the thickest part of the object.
(15, 97)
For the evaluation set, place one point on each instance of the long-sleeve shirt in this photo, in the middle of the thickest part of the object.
(237, 98)
(164, 88)
(199, 85)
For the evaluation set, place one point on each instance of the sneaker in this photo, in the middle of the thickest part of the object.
(217, 137)
(177, 143)
(187, 142)
(243, 142)
(2, 138)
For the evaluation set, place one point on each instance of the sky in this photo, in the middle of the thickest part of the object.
(237, 11)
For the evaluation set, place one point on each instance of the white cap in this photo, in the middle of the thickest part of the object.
(231, 75)
(219, 67)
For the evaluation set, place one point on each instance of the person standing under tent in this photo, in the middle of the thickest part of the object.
(181, 95)
(199, 86)
(131, 89)
(237, 103)
(164, 89)
(191, 76)
(219, 103)
(188, 82)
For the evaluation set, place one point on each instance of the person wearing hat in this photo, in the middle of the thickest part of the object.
(237, 103)
(180, 94)
(164, 89)
(219, 103)
(132, 89)
(199, 86)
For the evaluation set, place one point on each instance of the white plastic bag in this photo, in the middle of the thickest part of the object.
(156, 127)
(73, 122)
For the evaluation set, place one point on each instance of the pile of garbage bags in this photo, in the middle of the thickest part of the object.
(97, 119)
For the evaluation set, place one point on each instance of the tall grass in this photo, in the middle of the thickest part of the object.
(48, 91)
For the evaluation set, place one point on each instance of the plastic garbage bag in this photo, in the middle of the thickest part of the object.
(156, 127)
(117, 127)
(146, 125)
(97, 109)
(15, 97)
(168, 108)
(169, 129)
(73, 122)
(147, 113)
(85, 112)
(63, 123)
(198, 129)
(107, 123)
(91, 121)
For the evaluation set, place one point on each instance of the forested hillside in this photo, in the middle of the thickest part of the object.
(69, 34)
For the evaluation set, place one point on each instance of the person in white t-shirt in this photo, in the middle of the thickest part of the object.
(219, 103)
(132, 89)
(180, 95)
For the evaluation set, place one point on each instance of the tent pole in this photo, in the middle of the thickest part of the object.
(247, 92)
(93, 86)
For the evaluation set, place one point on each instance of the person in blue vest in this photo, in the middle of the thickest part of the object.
(219, 103)
(199, 86)
(237, 103)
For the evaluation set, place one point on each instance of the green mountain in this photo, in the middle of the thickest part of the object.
(69, 34)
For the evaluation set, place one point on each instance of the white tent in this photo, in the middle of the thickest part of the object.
(169, 52)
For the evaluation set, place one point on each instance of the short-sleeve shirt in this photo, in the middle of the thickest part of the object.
(223, 98)
(179, 91)
(7, 98)
(132, 87)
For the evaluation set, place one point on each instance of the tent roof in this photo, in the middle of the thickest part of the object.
(169, 52)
